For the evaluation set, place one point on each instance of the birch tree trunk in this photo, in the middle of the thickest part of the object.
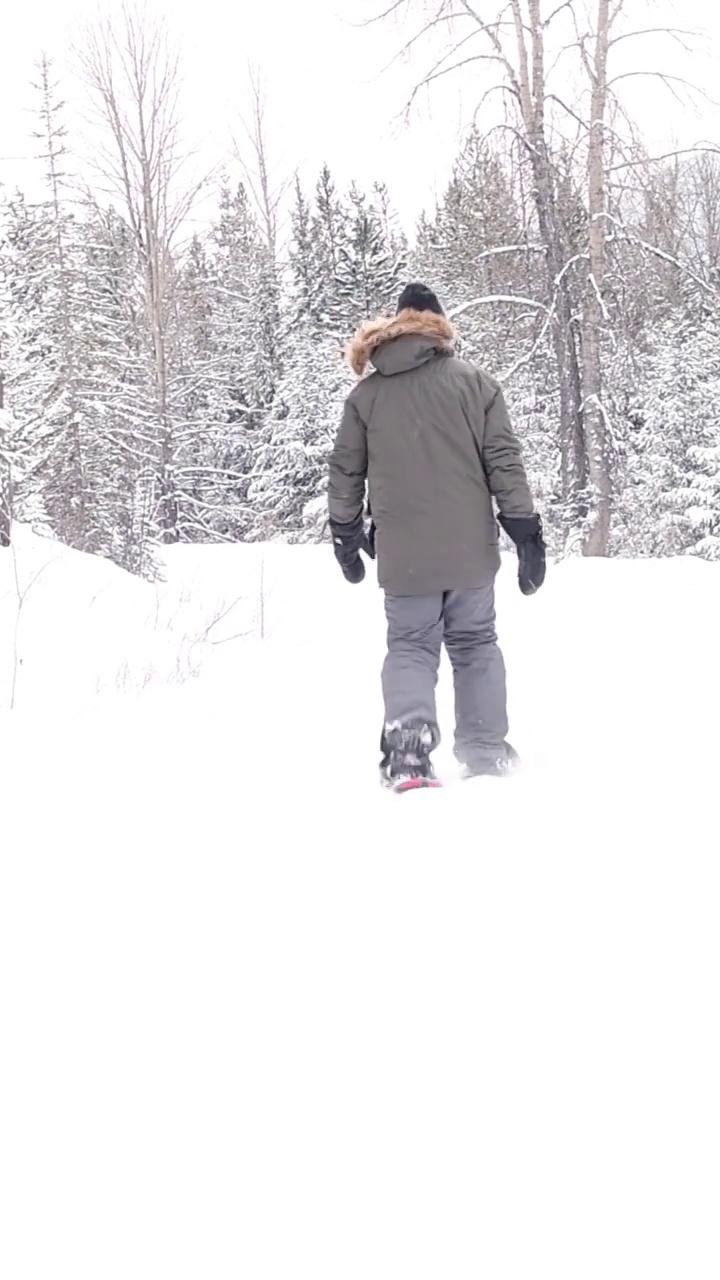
(530, 89)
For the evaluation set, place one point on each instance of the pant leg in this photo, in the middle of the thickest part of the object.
(409, 677)
(481, 723)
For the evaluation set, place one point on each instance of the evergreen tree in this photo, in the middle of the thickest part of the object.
(329, 236)
(474, 248)
(245, 306)
(306, 264)
(213, 446)
(74, 368)
(290, 476)
(370, 270)
(393, 235)
(44, 281)
(118, 391)
(671, 500)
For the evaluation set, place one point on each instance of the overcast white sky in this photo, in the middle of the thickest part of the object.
(328, 96)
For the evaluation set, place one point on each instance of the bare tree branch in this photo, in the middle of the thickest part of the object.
(268, 192)
(502, 88)
(439, 20)
(444, 71)
(511, 248)
(491, 30)
(643, 161)
(567, 4)
(659, 253)
(578, 257)
(674, 32)
(553, 97)
(529, 355)
(580, 41)
(496, 298)
(668, 80)
(380, 17)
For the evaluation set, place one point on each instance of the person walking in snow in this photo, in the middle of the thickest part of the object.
(430, 435)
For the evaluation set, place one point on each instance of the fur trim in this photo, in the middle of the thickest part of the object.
(371, 335)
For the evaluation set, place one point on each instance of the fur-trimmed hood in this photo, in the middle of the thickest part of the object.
(420, 324)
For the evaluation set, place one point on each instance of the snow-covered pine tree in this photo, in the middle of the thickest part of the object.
(393, 234)
(118, 388)
(287, 491)
(477, 247)
(199, 481)
(306, 264)
(329, 231)
(246, 321)
(212, 439)
(313, 286)
(671, 499)
(702, 494)
(659, 358)
(57, 454)
(371, 269)
(242, 357)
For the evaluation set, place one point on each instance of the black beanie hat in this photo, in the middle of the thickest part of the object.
(417, 297)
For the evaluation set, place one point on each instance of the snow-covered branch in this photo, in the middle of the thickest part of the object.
(496, 298)
(511, 248)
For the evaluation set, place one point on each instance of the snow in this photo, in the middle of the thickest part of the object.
(261, 1020)
(85, 630)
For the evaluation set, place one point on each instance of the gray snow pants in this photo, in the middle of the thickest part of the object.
(465, 622)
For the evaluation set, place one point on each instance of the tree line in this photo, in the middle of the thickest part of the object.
(157, 387)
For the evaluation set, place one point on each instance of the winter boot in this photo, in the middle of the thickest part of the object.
(405, 763)
(500, 766)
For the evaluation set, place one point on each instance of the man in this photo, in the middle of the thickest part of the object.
(431, 435)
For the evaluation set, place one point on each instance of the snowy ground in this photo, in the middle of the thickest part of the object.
(263, 1023)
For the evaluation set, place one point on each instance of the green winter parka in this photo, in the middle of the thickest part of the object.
(431, 436)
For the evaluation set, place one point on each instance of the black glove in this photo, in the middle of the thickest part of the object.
(526, 533)
(348, 541)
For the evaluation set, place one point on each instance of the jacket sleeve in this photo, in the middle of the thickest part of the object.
(502, 457)
(348, 467)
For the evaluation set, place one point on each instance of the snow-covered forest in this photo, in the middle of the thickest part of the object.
(164, 379)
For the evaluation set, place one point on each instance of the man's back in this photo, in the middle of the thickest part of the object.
(438, 444)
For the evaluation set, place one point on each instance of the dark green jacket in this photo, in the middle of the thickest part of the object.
(431, 435)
